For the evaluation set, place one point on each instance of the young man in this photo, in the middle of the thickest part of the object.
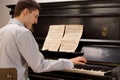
(18, 48)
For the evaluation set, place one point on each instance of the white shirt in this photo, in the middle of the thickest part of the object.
(18, 49)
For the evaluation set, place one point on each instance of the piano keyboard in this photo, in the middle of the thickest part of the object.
(90, 69)
(83, 71)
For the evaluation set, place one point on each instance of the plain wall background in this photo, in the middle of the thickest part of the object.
(4, 11)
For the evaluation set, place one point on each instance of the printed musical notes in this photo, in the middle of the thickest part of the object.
(64, 38)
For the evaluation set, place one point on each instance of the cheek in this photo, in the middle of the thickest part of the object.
(31, 20)
(29, 17)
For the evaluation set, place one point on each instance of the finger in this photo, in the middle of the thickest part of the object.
(82, 59)
(81, 63)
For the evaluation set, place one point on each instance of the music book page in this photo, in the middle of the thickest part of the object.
(53, 39)
(71, 38)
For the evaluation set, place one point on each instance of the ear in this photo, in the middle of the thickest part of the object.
(25, 11)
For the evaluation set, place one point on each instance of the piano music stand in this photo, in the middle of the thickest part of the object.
(8, 74)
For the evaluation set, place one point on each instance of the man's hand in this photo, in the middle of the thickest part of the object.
(79, 60)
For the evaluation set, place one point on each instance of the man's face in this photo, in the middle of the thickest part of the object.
(31, 19)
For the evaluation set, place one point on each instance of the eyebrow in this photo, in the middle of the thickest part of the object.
(37, 16)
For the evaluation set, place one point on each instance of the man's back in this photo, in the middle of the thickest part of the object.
(10, 56)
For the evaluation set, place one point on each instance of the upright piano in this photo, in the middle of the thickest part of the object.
(100, 42)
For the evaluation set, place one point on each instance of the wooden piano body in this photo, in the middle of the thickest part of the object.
(100, 42)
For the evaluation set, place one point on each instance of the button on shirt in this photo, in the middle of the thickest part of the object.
(18, 49)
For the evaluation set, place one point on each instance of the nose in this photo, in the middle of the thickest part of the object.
(36, 21)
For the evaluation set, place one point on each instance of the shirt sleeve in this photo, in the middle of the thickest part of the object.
(29, 49)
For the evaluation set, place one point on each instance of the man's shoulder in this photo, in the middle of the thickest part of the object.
(16, 29)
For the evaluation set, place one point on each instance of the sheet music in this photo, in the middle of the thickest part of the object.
(71, 38)
(53, 39)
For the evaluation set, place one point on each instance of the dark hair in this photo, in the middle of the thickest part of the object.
(22, 4)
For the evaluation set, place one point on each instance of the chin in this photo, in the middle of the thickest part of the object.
(31, 29)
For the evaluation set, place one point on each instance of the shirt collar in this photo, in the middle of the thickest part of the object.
(15, 21)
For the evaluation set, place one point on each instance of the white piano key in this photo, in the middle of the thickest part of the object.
(91, 72)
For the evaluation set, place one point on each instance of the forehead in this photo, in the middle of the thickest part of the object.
(35, 12)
